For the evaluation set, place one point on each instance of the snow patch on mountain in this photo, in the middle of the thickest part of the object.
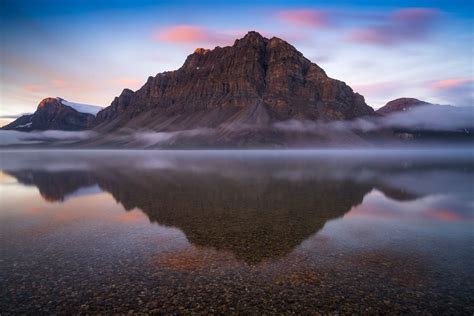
(83, 108)
(24, 125)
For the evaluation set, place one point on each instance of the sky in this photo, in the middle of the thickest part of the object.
(89, 51)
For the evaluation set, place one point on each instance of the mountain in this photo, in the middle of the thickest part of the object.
(56, 114)
(401, 104)
(257, 93)
(255, 82)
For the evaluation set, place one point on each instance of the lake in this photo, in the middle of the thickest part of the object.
(304, 232)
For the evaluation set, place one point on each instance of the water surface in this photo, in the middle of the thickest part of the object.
(237, 231)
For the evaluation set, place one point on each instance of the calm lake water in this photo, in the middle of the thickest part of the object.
(237, 232)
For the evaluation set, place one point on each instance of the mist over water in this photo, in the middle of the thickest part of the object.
(433, 119)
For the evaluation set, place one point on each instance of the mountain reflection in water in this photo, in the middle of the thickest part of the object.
(258, 206)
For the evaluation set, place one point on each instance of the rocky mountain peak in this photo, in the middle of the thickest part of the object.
(255, 80)
(252, 38)
(202, 51)
(49, 102)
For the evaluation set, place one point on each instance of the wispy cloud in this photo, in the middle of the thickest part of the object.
(404, 25)
(456, 91)
(59, 83)
(127, 82)
(191, 34)
(33, 88)
(451, 83)
(304, 17)
(431, 118)
(46, 85)
(157, 138)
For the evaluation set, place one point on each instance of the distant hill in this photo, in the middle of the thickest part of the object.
(401, 104)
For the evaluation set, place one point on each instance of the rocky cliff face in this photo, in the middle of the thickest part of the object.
(53, 114)
(255, 82)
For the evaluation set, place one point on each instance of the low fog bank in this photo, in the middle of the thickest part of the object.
(438, 125)
(440, 118)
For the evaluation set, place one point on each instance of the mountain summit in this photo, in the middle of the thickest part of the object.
(255, 82)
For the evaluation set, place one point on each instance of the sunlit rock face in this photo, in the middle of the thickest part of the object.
(52, 114)
(255, 82)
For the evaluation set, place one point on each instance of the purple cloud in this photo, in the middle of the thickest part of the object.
(404, 25)
(304, 17)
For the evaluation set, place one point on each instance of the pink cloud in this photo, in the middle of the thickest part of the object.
(32, 88)
(450, 83)
(48, 86)
(454, 91)
(182, 33)
(191, 34)
(400, 26)
(126, 82)
(59, 83)
(311, 18)
(374, 88)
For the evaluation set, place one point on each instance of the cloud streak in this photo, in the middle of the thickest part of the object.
(405, 25)
(191, 34)
(304, 17)
(459, 91)
(421, 118)
(161, 138)
(427, 118)
(451, 83)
